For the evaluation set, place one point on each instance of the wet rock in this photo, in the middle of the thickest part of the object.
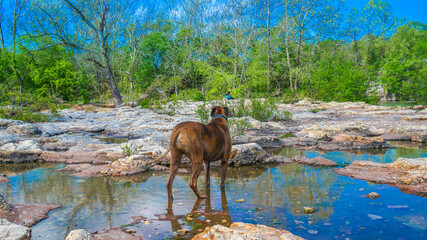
(240, 230)
(86, 170)
(278, 159)
(373, 195)
(3, 178)
(419, 138)
(374, 217)
(79, 234)
(166, 169)
(115, 234)
(317, 161)
(24, 129)
(31, 214)
(248, 154)
(12, 231)
(25, 151)
(409, 175)
(309, 210)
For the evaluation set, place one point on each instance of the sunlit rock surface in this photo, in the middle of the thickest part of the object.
(409, 175)
(248, 231)
(12, 231)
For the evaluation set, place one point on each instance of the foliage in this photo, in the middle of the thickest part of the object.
(316, 110)
(238, 126)
(203, 113)
(23, 114)
(129, 150)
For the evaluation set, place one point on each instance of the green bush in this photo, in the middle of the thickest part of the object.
(23, 114)
(316, 110)
(202, 113)
(238, 126)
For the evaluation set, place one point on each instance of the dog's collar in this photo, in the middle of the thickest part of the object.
(220, 116)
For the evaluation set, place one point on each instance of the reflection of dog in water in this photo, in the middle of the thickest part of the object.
(199, 218)
(202, 144)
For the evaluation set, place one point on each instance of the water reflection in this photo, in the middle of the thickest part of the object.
(274, 195)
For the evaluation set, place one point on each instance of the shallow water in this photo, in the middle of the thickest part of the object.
(273, 195)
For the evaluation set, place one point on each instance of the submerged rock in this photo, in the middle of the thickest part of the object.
(409, 175)
(239, 230)
(317, 161)
(115, 234)
(373, 195)
(12, 231)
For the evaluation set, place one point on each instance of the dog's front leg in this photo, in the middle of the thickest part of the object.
(207, 174)
(224, 163)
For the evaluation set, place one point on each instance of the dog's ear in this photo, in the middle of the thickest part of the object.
(226, 111)
(213, 112)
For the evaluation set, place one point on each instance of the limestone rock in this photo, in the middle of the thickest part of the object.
(317, 161)
(409, 175)
(24, 129)
(12, 231)
(79, 234)
(25, 151)
(278, 159)
(239, 230)
(248, 154)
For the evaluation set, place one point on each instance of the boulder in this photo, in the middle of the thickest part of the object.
(25, 151)
(129, 165)
(239, 230)
(24, 129)
(248, 154)
(266, 141)
(12, 231)
(79, 234)
(409, 175)
(317, 161)
(395, 137)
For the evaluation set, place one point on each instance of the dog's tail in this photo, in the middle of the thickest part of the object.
(171, 144)
(161, 156)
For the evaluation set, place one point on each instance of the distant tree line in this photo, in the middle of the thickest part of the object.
(55, 51)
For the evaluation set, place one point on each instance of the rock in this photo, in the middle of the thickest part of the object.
(7, 138)
(317, 161)
(3, 178)
(115, 234)
(395, 137)
(25, 151)
(374, 217)
(79, 234)
(24, 129)
(409, 175)
(309, 210)
(12, 231)
(31, 214)
(239, 230)
(373, 195)
(278, 159)
(267, 141)
(248, 154)
(128, 166)
(9, 122)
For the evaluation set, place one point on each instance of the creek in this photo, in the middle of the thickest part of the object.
(273, 195)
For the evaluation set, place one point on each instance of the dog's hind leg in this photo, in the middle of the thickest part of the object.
(176, 157)
(197, 160)
(224, 163)
(207, 175)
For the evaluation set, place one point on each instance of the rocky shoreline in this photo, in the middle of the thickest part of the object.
(83, 138)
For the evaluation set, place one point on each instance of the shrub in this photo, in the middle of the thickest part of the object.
(238, 126)
(23, 114)
(316, 110)
(202, 113)
(129, 150)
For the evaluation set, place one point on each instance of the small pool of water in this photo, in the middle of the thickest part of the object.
(274, 195)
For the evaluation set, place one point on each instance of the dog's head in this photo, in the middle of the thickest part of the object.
(218, 110)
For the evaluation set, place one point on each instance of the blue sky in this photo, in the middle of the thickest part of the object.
(413, 10)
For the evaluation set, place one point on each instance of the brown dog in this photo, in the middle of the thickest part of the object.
(202, 144)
